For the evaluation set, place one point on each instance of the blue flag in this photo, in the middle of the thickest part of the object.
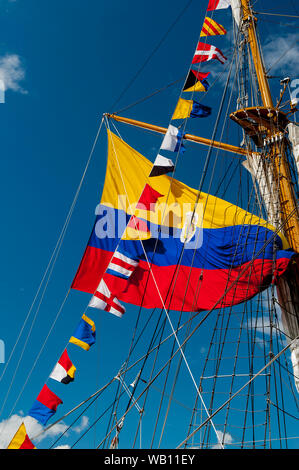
(199, 110)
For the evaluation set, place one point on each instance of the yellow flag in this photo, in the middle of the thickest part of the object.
(197, 87)
(183, 109)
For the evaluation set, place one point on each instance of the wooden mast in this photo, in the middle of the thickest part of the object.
(287, 287)
(270, 119)
(288, 205)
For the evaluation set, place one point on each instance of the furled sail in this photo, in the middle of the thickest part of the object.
(229, 258)
(263, 178)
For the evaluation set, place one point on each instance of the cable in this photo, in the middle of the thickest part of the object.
(238, 391)
(48, 274)
(282, 55)
(274, 14)
(156, 48)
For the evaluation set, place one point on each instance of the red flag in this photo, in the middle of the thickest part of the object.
(218, 4)
(148, 198)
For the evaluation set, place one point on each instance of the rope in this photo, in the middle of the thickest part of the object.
(238, 391)
(48, 273)
(275, 14)
(161, 299)
(156, 48)
(282, 55)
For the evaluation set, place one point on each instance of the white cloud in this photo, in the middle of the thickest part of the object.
(9, 427)
(225, 438)
(281, 56)
(281, 53)
(12, 72)
(83, 425)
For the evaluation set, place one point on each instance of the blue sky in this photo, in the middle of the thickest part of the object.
(65, 63)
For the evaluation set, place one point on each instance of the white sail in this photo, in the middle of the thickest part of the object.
(293, 129)
(264, 181)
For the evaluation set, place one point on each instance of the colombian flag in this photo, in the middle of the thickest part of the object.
(201, 254)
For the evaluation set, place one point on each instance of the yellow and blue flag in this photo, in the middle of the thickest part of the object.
(85, 333)
(190, 108)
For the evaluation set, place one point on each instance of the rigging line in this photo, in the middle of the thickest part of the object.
(54, 257)
(141, 359)
(200, 187)
(219, 300)
(129, 393)
(156, 48)
(107, 124)
(274, 14)
(165, 365)
(146, 356)
(163, 368)
(154, 338)
(170, 397)
(210, 185)
(183, 405)
(40, 351)
(129, 202)
(109, 383)
(29, 334)
(235, 366)
(114, 405)
(75, 420)
(284, 412)
(238, 391)
(289, 372)
(250, 341)
(218, 151)
(280, 23)
(164, 308)
(290, 384)
(105, 386)
(281, 389)
(74, 409)
(263, 441)
(282, 55)
(57, 247)
(165, 384)
(141, 100)
(97, 420)
(131, 367)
